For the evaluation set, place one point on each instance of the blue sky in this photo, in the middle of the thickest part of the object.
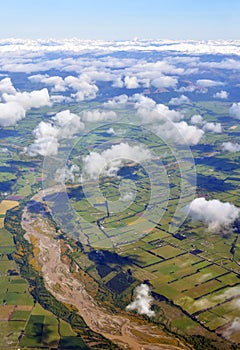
(120, 19)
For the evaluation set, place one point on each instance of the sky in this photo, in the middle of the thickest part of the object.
(120, 19)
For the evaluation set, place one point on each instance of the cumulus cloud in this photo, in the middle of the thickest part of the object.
(131, 82)
(111, 160)
(68, 123)
(28, 100)
(206, 83)
(16, 105)
(57, 83)
(179, 100)
(231, 147)
(221, 94)
(181, 133)
(11, 113)
(159, 113)
(7, 87)
(85, 89)
(164, 82)
(117, 101)
(47, 136)
(142, 302)
(213, 127)
(143, 101)
(234, 110)
(196, 119)
(46, 142)
(96, 115)
(83, 86)
(67, 174)
(214, 213)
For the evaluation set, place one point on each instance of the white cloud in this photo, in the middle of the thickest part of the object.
(213, 212)
(228, 63)
(55, 81)
(46, 142)
(111, 160)
(206, 83)
(67, 174)
(234, 110)
(68, 123)
(96, 116)
(143, 101)
(181, 133)
(213, 127)
(231, 147)
(47, 136)
(164, 82)
(142, 302)
(111, 131)
(28, 100)
(159, 113)
(85, 89)
(74, 45)
(7, 87)
(197, 119)
(11, 113)
(117, 101)
(221, 94)
(179, 100)
(131, 82)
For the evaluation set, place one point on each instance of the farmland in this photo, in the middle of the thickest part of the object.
(75, 244)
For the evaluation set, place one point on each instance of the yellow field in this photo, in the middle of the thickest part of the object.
(1, 222)
(6, 205)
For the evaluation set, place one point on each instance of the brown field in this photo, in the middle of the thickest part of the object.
(6, 205)
(5, 312)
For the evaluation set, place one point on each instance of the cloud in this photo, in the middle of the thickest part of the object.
(131, 82)
(181, 133)
(57, 82)
(206, 83)
(85, 89)
(164, 82)
(46, 142)
(143, 101)
(228, 63)
(196, 119)
(111, 160)
(117, 101)
(233, 328)
(179, 100)
(11, 113)
(142, 302)
(111, 131)
(7, 87)
(221, 94)
(76, 46)
(67, 174)
(68, 123)
(47, 136)
(231, 147)
(213, 212)
(234, 110)
(213, 127)
(96, 116)
(28, 100)
(159, 113)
